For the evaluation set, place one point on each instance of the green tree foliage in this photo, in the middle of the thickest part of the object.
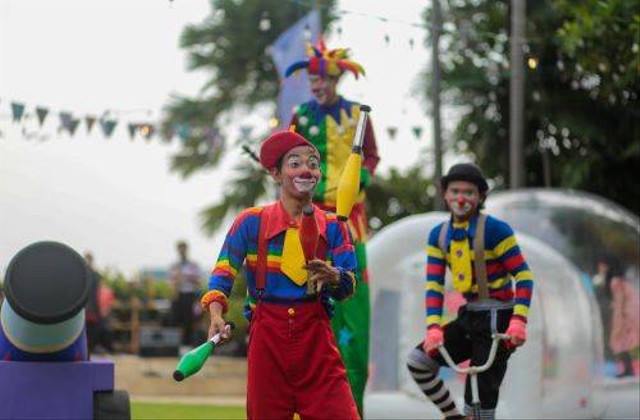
(398, 195)
(236, 309)
(231, 47)
(582, 113)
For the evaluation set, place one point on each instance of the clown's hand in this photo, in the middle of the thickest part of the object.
(433, 340)
(217, 323)
(517, 331)
(320, 273)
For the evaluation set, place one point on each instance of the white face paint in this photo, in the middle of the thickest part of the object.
(460, 209)
(301, 170)
(304, 185)
(463, 198)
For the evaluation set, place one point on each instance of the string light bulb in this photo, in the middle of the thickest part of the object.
(265, 22)
(145, 130)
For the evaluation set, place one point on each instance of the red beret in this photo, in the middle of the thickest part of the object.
(279, 143)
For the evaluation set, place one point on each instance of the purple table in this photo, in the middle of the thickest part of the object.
(52, 390)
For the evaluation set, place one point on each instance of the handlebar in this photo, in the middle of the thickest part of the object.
(475, 369)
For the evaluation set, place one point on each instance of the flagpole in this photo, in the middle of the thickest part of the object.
(316, 6)
(436, 23)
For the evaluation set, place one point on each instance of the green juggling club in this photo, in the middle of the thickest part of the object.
(193, 361)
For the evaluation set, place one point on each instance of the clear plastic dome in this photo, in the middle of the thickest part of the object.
(586, 229)
(581, 226)
(561, 369)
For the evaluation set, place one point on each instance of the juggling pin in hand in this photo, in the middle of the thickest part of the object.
(193, 361)
(349, 184)
(309, 236)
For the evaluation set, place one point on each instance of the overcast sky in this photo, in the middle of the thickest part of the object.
(116, 197)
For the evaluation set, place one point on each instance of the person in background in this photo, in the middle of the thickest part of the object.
(491, 272)
(185, 278)
(329, 122)
(293, 362)
(106, 300)
(624, 333)
(98, 332)
(602, 293)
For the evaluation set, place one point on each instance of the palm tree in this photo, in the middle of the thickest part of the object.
(231, 46)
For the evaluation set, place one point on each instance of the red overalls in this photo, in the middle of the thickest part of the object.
(294, 365)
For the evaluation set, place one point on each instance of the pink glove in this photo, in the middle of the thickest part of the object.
(433, 338)
(518, 332)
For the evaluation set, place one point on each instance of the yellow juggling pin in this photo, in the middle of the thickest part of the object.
(349, 184)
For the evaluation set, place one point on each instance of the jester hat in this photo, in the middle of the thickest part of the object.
(324, 62)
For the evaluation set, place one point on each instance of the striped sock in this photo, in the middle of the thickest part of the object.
(434, 389)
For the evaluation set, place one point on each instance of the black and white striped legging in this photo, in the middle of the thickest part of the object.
(424, 371)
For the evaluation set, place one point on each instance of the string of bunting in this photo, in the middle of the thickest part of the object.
(416, 130)
(69, 123)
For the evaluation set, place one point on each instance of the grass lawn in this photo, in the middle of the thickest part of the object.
(161, 411)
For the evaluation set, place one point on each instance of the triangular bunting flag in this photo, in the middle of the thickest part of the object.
(167, 135)
(417, 131)
(213, 137)
(245, 131)
(392, 132)
(184, 131)
(17, 110)
(133, 127)
(42, 113)
(65, 121)
(108, 126)
(89, 121)
(65, 118)
(73, 125)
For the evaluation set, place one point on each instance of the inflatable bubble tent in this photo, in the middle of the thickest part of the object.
(561, 369)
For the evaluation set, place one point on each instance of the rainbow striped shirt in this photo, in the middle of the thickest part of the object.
(241, 244)
(505, 263)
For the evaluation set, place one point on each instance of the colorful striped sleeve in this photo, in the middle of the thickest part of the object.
(511, 258)
(343, 257)
(233, 252)
(434, 287)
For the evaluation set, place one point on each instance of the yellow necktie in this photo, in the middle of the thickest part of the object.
(293, 257)
(461, 258)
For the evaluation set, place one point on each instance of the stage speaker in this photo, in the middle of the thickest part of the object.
(160, 341)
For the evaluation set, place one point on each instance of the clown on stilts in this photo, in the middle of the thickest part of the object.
(329, 122)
